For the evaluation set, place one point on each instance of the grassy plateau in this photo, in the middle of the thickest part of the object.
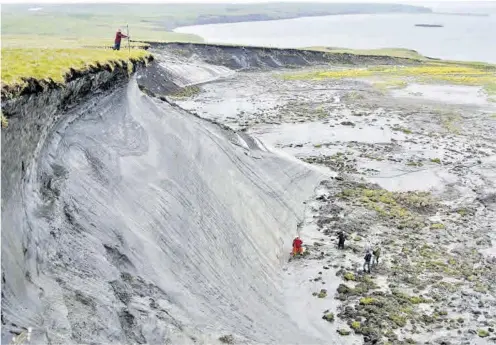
(19, 64)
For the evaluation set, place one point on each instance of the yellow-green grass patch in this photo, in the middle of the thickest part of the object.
(393, 76)
(54, 63)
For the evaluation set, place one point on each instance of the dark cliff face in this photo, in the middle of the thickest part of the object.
(34, 115)
(36, 108)
(111, 204)
(245, 58)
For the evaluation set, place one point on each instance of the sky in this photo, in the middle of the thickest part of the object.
(413, 2)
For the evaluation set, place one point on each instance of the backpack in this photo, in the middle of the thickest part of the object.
(368, 256)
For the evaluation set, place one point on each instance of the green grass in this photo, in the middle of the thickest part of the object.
(355, 325)
(54, 63)
(367, 300)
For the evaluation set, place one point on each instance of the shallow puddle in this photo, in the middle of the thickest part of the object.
(453, 94)
(403, 178)
(317, 134)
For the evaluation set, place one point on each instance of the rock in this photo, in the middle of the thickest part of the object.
(227, 339)
(344, 289)
(347, 123)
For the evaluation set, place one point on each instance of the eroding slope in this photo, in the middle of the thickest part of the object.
(141, 223)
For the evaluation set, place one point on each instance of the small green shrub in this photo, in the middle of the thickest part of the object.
(482, 333)
(355, 325)
(349, 276)
(368, 300)
(398, 320)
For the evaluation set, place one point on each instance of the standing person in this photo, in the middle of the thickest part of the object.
(118, 36)
(367, 258)
(341, 239)
(297, 246)
(377, 254)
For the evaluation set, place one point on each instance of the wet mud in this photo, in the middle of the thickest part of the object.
(411, 171)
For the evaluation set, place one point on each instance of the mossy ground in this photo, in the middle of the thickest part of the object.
(421, 276)
(400, 209)
(188, 91)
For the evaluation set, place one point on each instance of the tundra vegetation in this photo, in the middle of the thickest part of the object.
(21, 64)
(390, 77)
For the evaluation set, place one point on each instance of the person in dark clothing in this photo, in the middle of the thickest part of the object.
(377, 254)
(368, 258)
(341, 238)
(118, 36)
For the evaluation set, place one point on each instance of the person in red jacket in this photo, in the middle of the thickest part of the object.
(297, 246)
(118, 36)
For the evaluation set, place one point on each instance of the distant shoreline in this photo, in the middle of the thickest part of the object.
(429, 25)
(463, 14)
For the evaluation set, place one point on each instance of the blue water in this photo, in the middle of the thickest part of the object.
(461, 37)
